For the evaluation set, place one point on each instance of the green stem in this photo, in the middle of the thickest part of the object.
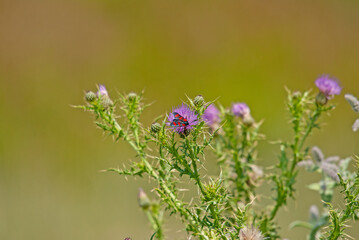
(156, 224)
(178, 206)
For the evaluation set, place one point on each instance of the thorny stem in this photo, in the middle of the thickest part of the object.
(310, 126)
(175, 202)
(155, 222)
(297, 148)
(196, 175)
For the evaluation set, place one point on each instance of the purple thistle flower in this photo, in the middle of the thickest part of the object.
(328, 86)
(240, 109)
(102, 90)
(187, 114)
(211, 115)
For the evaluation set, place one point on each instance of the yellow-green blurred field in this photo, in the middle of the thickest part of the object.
(52, 51)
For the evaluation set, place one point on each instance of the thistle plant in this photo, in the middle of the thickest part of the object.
(228, 206)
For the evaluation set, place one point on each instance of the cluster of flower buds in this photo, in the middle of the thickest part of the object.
(101, 96)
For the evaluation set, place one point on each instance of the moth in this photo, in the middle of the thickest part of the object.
(178, 121)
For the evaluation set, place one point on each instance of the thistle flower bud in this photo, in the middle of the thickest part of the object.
(317, 154)
(296, 94)
(248, 120)
(353, 101)
(143, 199)
(356, 125)
(128, 238)
(131, 96)
(198, 101)
(90, 96)
(321, 99)
(331, 170)
(155, 127)
(106, 101)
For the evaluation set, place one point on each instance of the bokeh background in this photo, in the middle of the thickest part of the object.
(52, 51)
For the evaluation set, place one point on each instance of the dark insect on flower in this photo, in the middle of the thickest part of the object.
(178, 120)
(182, 119)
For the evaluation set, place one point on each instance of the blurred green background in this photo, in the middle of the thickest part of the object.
(52, 51)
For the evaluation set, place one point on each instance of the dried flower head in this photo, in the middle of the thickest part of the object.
(328, 86)
(211, 116)
(250, 234)
(240, 109)
(353, 101)
(189, 119)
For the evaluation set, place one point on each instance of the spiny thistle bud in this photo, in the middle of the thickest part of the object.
(131, 96)
(143, 199)
(321, 99)
(250, 234)
(155, 128)
(90, 96)
(198, 101)
(106, 101)
(128, 238)
(248, 120)
(296, 94)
